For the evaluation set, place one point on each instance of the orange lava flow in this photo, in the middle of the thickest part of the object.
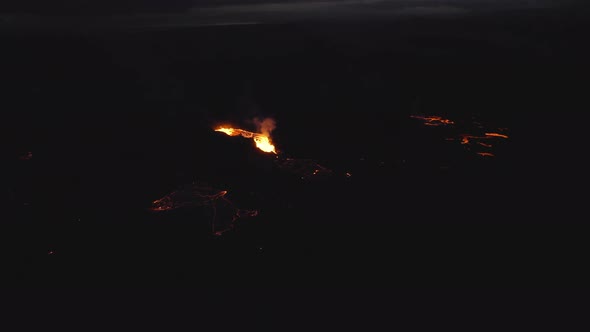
(224, 212)
(262, 141)
(496, 135)
(485, 140)
(485, 154)
(173, 200)
(469, 139)
(433, 120)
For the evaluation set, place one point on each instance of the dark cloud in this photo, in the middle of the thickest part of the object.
(93, 7)
(179, 13)
(167, 6)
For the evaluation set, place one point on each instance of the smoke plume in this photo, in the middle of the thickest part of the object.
(265, 126)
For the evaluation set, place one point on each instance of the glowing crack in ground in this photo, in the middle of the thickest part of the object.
(224, 212)
(478, 139)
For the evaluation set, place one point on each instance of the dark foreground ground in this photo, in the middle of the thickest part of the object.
(116, 119)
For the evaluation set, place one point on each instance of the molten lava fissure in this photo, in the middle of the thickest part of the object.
(496, 135)
(303, 168)
(470, 141)
(224, 212)
(485, 144)
(433, 120)
(262, 141)
(192, 196)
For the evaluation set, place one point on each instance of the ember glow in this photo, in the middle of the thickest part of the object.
(477, 139)
(262, 141)
(196, 196)
(496, 135)
(486, 142)
(485, 154)
(469, 139)
(223, 212)
(433, 120)
(304, 168)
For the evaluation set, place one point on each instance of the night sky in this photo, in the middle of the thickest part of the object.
(416, 143)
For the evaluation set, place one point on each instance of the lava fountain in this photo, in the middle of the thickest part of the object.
(262, 141)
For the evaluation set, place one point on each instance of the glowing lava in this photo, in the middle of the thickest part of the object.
(264, 144)
(483, 140)
(262, 141)
(433, 120)
(496, 135)
(304, 168)
(224, 214)
(467, 139)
